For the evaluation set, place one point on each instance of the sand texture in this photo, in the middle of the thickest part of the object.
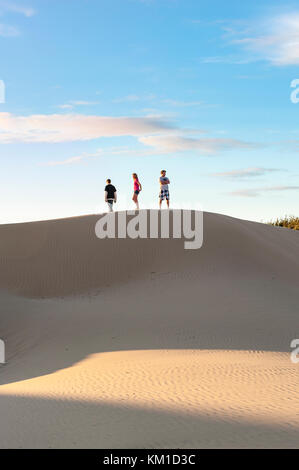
(142, 344)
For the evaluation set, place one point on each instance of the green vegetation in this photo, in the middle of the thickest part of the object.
(288, 222)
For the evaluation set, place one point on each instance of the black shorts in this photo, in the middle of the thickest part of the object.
(136, 192)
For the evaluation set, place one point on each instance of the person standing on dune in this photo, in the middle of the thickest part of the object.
(110, 195)
(164, 191)
(137, 189)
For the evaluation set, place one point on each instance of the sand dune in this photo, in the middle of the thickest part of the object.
(123, 343)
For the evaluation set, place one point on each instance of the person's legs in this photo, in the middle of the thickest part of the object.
(137, 202)
(161, 197)
(135, 199)
(110, 205)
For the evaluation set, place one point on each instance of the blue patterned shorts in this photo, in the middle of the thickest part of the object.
(164, 194)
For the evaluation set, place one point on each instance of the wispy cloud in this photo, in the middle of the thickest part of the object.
(101, 152)
(246, 173)
(6, 6)
(84, 103)
(65, 106)
(173, 103)
(275, 40)
(67, 161)
(153, 145)
(182, 104)
(293, 144)
(228, 59)
(204, 146)
(254, 192)
(133, 98)
(73, 103)
(157, 113)
(8, 31)
(75, 127)
(126, 99)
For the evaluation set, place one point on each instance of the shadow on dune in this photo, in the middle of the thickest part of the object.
(47, 423)
(45, 336)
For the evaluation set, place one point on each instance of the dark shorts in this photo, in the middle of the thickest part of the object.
(164, 194)
(136, 192)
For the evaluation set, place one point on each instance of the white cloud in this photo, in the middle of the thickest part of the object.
(74, 103)
(125, 99)
(16, 8)
(206, 146)
(275, 39)
(8, 31)
(133, 98)
(151, 97)
(84, 103)
(158, 114)
(229, 59)
(152, 147)
(182, 104)
(74, 127)
(65, 106)
(254, 192)
(278, 42)
(101, 152)
(247, 172)
(292, 144)
(67, 161)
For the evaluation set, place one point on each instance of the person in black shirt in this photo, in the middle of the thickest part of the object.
(110, 195)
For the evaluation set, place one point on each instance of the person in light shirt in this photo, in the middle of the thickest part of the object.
(164, 189)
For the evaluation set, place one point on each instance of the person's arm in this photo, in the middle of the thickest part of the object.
(140, 187)
(106, 195)
(115, 196)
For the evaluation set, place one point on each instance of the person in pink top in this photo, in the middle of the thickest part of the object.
(137, 189)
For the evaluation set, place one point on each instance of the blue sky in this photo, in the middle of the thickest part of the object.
(105, 88)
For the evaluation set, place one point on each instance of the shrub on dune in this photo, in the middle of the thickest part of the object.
(291, 222)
